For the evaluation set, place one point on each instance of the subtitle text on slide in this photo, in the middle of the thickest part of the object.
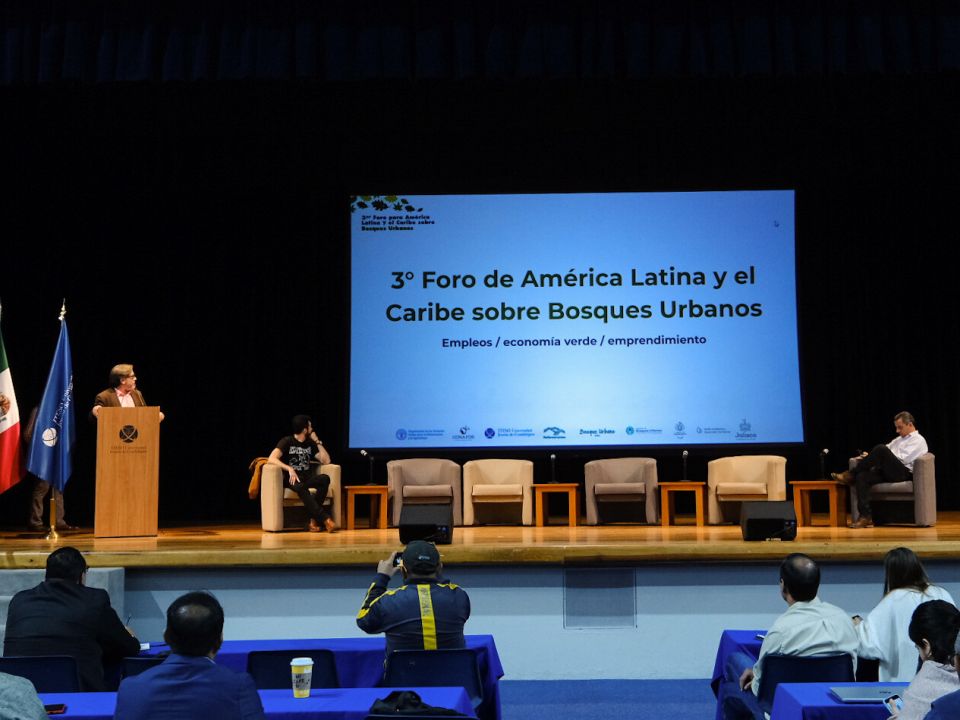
(588, 341)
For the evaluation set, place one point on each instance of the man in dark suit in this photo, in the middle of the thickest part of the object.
(122, 391)
(61, 616)
(188, 685)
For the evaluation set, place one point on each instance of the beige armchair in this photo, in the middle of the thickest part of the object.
(498, 481)
(921, 491)
(274, 497)
(424, 481)
(733, 480)
(621, 480)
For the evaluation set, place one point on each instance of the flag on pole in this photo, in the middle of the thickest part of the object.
(10, 470)
(53, 435)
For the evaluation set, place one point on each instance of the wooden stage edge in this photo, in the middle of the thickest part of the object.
(225, 546)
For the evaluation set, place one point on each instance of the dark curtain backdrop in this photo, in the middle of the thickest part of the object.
(111, 40)
(194, 212)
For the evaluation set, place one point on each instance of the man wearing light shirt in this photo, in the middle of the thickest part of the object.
(888, 463)
(808, 627)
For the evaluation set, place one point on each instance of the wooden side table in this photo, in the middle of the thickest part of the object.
(569, 488)
(838, 500)
(378, 492)
(667, 492)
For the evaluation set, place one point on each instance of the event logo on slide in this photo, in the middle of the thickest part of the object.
(554, 433)
(401, 434)
(679, 430)
(746, 431)
(489, 433)
(381, 204)
(387, 213)
(463, 434)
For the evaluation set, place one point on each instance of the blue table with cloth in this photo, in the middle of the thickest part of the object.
(813, 701)
(360, 661)
(337, 704)
(731, 641)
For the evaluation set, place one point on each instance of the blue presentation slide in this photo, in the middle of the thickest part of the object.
(573, 320)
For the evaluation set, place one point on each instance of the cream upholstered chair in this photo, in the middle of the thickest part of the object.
(498, 481)
(921, 491)
(274, 497)
(733, 480)
(424, 481)
(621, 480)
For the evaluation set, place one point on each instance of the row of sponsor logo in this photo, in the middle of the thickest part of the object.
(554, 432)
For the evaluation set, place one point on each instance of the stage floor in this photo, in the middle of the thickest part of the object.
(249, 546)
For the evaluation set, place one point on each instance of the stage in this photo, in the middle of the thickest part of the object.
(222, 546)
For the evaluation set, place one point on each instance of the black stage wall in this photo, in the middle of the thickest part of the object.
(197, 227)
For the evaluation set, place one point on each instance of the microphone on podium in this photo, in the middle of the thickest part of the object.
(685, 454)
(553, 468)
(823, 464)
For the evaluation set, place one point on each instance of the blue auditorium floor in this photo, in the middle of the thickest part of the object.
(607, 699)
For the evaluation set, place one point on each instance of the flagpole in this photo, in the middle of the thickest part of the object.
(52, 534)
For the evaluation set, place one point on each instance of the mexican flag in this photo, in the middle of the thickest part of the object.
(10, 472)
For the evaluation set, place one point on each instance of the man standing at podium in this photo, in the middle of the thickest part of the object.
(121, 393)
(294, 454)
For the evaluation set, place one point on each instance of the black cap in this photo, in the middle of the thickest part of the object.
(421, 558)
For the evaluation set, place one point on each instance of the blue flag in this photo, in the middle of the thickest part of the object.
(53, 433)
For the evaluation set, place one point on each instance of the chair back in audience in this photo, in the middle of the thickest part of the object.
(271, 668)
(48, 673)
(131, 666)
(435, 668)
(834, 667)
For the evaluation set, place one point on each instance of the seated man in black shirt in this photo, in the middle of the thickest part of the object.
(295, 454)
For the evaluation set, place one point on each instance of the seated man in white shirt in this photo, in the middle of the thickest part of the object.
(888, 463)
(808, 627)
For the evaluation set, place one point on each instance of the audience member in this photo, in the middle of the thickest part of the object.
(808, 627)
(883, 633)
(188, 685)
(19, 700)
(934, 630)
(61, 616)
(947, 707)
(425, 613)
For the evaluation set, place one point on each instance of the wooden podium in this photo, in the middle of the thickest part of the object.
(128, 463)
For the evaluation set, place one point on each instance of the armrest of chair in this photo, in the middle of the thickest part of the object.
(925, 490)
(335, 494)
(271, 498)
(777, 478)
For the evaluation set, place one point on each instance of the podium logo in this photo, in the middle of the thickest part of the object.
(128, 433)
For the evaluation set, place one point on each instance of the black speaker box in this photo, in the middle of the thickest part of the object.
(426, 522)
(768, 520)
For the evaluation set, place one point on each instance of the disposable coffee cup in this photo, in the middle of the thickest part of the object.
(301, 673)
